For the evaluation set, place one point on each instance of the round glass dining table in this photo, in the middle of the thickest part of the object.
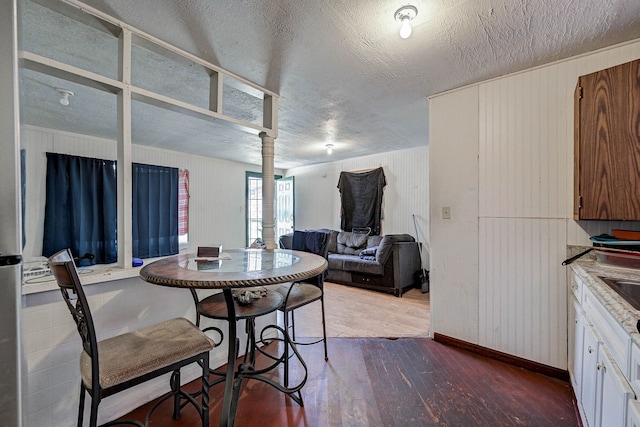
(236, 268)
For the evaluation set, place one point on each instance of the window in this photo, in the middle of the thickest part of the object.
(81, 211)
(254, 207)
(155, 210)
(283, 212)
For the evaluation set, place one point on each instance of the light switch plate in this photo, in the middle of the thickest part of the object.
(446, 212)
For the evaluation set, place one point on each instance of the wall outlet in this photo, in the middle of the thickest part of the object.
(446, 212)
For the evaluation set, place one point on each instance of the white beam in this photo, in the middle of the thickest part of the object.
(125, 197)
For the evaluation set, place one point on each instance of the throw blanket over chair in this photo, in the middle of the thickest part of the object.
(118, 363)
(298, 294)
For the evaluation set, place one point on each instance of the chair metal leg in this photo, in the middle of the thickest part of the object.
(204, 407)
(286, 344)
(324, 330)
(81, 404)
(175, 389)
(293, 325)
(95, 401)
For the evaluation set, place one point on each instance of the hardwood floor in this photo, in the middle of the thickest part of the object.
(397, 383)
(354, 312)
(392, 382)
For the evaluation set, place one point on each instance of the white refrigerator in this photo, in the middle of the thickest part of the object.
(10, 221)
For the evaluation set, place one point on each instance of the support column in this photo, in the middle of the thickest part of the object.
(268, 187)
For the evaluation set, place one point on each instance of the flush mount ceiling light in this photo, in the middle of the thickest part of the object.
(65, 94)
(405, 15)
(329, 148)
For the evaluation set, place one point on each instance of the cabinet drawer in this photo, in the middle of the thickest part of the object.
(612, 334)
(575, 284)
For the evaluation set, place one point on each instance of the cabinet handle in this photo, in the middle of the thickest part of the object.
(590, 350)
(576, 320)
(601, 366)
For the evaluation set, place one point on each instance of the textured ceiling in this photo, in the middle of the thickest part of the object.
(343, 74)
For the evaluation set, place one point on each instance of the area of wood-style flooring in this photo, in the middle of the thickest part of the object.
(355, 312)
(390, 382)
(395, 383)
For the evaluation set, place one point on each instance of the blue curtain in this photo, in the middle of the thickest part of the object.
(81, 211)
(155, 210)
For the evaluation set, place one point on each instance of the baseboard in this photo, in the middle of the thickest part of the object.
(504, 357)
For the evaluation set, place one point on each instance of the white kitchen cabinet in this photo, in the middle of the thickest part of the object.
(601, 363)
(614, 390)
(634, 369)
(590, 374)
(576, 339)
(633, 414)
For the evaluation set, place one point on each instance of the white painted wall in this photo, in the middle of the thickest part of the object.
(454, 242)
(317, 199)
(51, 343)
(497, 263)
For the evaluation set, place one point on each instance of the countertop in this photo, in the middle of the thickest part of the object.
(588, 270)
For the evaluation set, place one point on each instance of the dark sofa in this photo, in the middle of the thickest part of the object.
(388, 263)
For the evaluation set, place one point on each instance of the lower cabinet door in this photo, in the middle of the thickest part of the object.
(633, 414)
(590, 375)
(616, 391)
(576, 331)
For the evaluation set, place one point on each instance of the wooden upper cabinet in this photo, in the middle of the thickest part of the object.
(607, 144)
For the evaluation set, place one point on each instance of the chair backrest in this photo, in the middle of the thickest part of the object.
(316, 242)
(63, 267)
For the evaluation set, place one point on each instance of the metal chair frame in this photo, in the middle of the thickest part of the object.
(317, 281)
(63, 268)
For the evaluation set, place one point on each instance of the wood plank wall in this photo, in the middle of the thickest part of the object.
(514, 288)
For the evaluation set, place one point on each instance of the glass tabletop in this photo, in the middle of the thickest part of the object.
(240, 261)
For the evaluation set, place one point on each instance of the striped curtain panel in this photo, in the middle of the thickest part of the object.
(183, 202)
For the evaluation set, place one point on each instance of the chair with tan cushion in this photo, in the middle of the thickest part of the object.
(299, 294)
(118, 363)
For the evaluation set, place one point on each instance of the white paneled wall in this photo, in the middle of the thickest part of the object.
(524, 182)
(51, 343)
(317, 199)
(522, 291)
(453, 177)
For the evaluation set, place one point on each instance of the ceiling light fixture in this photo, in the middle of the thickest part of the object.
(405, 15)
(329, 148)
(65, 94)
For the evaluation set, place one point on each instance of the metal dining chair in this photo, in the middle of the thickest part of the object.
(299, 294)
(118, 363)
